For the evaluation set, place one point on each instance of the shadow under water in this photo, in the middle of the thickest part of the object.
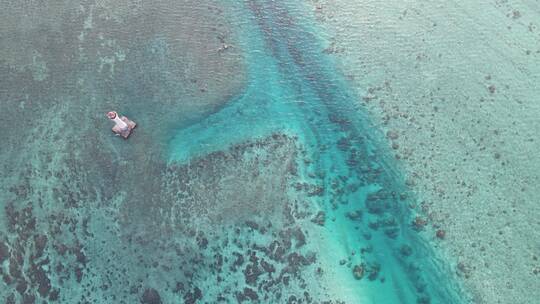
(282, 195)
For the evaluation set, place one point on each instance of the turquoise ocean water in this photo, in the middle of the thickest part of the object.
(293, 89)
(284, 194)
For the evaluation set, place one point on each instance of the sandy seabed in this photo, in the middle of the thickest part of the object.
(455, 86)
(452, 85)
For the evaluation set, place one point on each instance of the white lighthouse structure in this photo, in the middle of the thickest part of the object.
(122, 125)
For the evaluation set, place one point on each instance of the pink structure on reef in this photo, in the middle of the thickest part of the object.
(122, 125)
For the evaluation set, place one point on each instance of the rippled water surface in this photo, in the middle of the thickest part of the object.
(253, 176)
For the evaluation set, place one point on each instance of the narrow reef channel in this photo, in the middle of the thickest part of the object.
(368, 235)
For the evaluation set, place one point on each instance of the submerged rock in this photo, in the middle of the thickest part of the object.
(358, 271)
(463, 270)
(248, 295)
(392, 232)
(150, 296)
(423, 300)
(419, 223)
(441, 234)
(354, 215)
(374, 269)
(253, 225)
(405, 250)
(193, 297)
(320, 218)
(4, 251)
(315, 190)
(252, 273)
(393, 135)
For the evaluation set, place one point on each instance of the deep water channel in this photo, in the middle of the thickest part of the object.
(294, 89)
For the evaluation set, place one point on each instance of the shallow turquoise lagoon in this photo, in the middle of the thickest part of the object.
(294, 90)
(285, 193)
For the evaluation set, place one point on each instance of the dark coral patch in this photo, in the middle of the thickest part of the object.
(150, 296)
